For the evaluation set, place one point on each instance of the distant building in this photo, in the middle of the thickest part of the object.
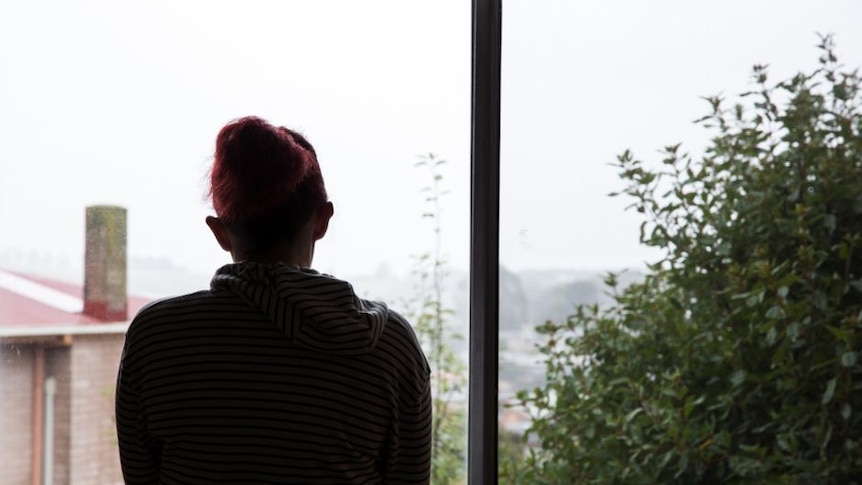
(60, 345)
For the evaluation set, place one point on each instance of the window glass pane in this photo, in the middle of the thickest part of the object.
(581, 83)
(119, 104)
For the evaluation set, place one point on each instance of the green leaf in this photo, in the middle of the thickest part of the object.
(631, 415)
(839, 333)
(665, 459)
(830, 222)
(830, 390)
(781, 441)
(775, 313)
(771, 336)
(793, 330)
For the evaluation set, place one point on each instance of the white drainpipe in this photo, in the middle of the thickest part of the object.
(48, 443)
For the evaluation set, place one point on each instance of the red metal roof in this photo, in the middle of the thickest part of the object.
(19, 310)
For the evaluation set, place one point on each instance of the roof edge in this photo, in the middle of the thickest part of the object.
(94, 329)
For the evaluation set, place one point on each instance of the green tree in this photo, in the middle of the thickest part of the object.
(736, 360)
(511, 466)
(431, 320)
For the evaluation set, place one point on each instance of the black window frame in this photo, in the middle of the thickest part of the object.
(484, 242)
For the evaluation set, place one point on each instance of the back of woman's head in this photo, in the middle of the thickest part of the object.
(265, 182)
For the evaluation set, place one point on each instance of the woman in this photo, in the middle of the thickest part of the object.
(277, 373)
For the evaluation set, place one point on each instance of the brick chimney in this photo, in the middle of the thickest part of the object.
(105, 263)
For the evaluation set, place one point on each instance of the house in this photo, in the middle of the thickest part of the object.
(60, 345)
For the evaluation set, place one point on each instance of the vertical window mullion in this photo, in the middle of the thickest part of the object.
(484, 242)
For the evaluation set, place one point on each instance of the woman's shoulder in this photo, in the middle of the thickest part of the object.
(401, 327)
(171, 302)
(175, 308)
(401, 337)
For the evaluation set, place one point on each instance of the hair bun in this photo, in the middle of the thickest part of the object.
(257, 168)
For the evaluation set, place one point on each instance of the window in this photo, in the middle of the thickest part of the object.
(581, 83)
(119, 104)
(116, 104)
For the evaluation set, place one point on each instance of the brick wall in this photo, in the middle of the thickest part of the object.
(16, 413)
(93, 454)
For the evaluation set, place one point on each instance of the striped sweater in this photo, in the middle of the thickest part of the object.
(273, 375)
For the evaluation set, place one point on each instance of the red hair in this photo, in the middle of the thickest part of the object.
(265, 181)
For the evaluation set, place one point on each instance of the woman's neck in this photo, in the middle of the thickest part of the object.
(290, 254)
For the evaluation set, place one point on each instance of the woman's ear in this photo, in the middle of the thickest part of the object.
(322, 217)
(220, 232)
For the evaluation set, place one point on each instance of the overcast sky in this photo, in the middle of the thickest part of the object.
(119, 103)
